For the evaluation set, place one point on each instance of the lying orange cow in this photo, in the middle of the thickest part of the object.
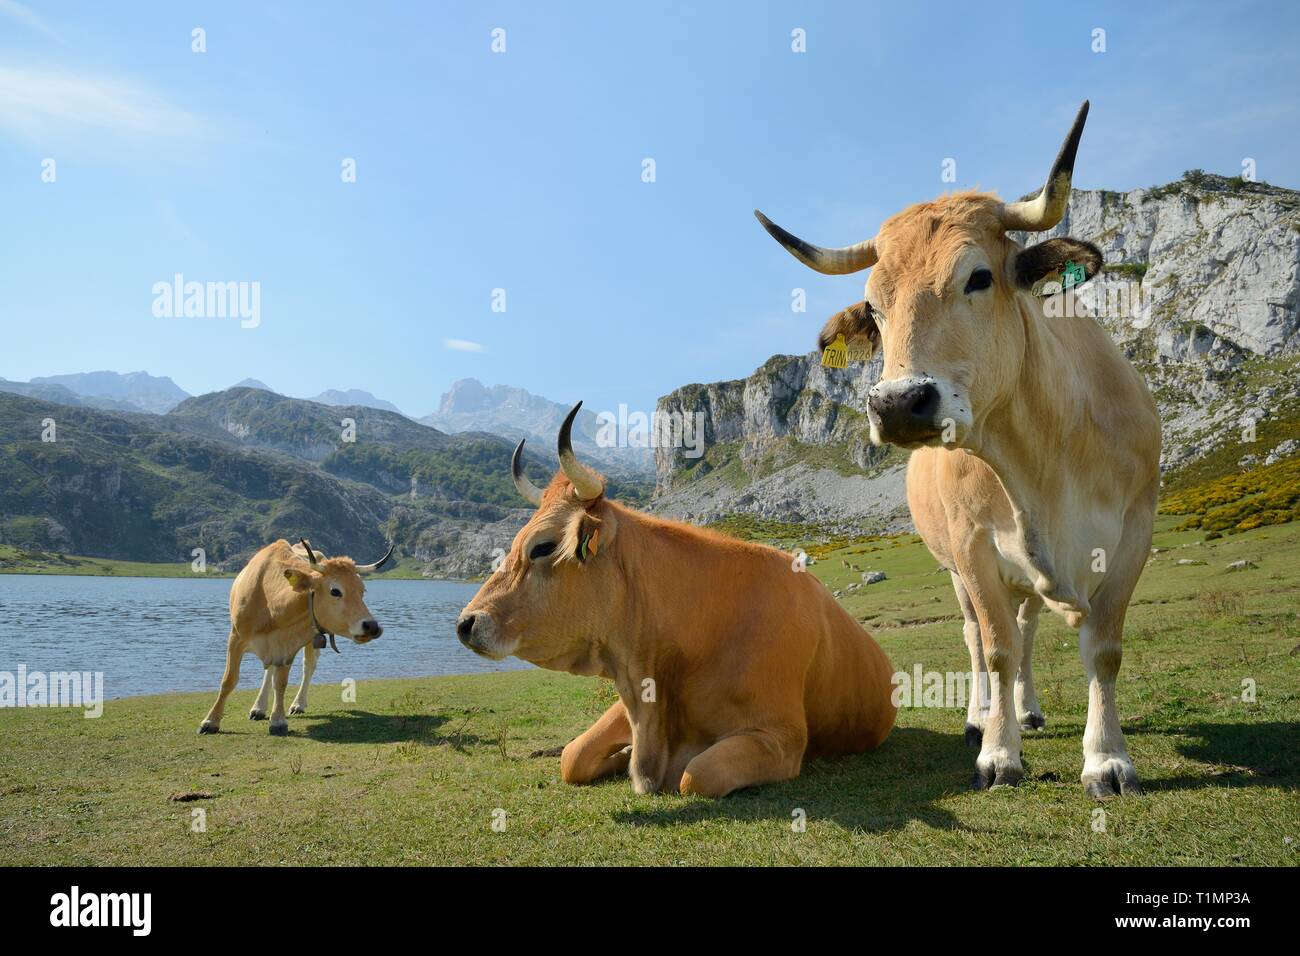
(731, 664)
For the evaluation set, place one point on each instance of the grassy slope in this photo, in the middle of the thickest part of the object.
(412, 772)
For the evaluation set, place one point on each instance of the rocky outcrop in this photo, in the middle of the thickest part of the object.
(788, 443)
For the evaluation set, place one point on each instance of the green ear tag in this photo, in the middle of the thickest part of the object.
(1072, 275)
(582, 548)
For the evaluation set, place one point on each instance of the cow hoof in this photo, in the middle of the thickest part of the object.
(974, 736)
(1115, 777)
(1032, 721)
(279, 730)
(297, 709)
(208, 727)
(996, 772)
(257, 714)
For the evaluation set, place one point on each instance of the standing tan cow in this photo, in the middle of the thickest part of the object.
(284, 599)
(731, 663)
(1035, 445)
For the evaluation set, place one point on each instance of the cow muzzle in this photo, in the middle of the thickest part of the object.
(478, 632)
(906, 412)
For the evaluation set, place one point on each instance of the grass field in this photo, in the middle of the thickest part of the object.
(417, 771)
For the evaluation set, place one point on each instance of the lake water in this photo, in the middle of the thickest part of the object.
(156, 635)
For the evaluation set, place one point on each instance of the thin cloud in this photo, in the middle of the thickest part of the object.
(16, 11)
(462, 345)
(36, 102)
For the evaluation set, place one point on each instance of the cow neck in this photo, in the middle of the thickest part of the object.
(1027, 437)
(650, 628)
(319, 634)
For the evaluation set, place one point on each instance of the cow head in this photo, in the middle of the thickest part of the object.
(336, 592)
(948, 301)
(551, 598)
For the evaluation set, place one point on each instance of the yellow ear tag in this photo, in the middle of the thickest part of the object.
(836, 355)
(591, 542)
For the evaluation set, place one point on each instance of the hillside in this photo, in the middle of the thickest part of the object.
(230, 471)
(1211, 267)
(354, 396)
(65, 396)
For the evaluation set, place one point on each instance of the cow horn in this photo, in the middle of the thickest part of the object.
(527, 490)
(311, 555)
(1046, 209)
(368, 568)
(587, 484)
(831, 262)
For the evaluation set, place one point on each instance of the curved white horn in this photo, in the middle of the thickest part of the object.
(1046, 209)
(587, 484)
(831, 262)
(368, 568)
(527, 490)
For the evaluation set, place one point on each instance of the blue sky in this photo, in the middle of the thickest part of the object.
(522, 171)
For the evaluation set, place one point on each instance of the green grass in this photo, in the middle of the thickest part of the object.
(413, 770)
(26, 561)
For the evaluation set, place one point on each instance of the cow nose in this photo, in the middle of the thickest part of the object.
(464, 627)
(918, 403)
(371, 628)
(907, 413)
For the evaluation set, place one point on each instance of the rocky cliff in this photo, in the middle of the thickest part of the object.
(1201, 291)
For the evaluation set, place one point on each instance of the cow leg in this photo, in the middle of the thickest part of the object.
(263, 697)
(279, 724)
(1107, 769)
(744, 760)
(234, 651)
(999, 759)
(977, 703)
(602, 750)
(310, 654)
(1028, 711)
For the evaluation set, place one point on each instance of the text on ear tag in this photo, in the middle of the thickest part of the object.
(836, 355)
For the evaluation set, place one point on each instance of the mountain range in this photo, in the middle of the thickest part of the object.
(229, 471)
(140, 470)
(469, 405)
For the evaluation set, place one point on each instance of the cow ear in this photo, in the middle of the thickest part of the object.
(588, 539)
(300, 580)
(1049, 261)
(856, 324)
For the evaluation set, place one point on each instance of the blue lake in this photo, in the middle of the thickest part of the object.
(157, 635)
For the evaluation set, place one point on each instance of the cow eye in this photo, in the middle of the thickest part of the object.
(541, 550)
(335, 592)
(979, 279)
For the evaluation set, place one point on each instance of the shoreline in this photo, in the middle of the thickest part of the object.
(19, 561)
(215, 575)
